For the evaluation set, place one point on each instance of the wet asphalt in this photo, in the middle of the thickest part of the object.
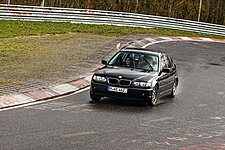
(194, 119)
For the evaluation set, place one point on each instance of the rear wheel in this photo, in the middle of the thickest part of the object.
(94, 98)
(152, 101)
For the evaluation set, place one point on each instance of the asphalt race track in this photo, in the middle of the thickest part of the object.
(194, 120)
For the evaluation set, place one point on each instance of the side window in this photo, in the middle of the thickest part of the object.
(169, 62)
(163, 62)
(166, 62)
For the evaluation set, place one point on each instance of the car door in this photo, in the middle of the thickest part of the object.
(171, 74)
(166, 79)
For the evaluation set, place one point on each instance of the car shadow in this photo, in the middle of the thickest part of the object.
(126, 105)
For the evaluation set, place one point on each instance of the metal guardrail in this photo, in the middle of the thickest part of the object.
(100, 17)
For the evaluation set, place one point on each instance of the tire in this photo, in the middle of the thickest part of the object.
(174, 90)
(95, 98)
(152, 101)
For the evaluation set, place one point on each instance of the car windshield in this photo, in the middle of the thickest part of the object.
(142, 61)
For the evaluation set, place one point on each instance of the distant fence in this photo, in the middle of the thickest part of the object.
(100, 17)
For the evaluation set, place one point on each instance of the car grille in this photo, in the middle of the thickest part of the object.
(121, 82)
(113, 81)
(124, 82)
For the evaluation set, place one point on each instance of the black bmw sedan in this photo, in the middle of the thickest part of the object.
(136, 74)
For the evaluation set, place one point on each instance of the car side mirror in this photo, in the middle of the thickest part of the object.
(104, 62)
(166, 70)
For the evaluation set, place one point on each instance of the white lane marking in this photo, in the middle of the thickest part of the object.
(217, 118)
(165, 38)
(150, 39)
(40, 102)
(202, 105)
(177, 138)
(79, 134)
(156, 43)
(162, 119)
(185, 38)
(206, 39)
(220, 93)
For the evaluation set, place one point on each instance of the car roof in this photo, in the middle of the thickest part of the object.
(143, 50)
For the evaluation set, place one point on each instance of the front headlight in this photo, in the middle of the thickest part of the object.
(142, 84)
(99, 78)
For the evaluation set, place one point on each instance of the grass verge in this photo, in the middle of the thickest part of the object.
(9, 28)
(29, 57)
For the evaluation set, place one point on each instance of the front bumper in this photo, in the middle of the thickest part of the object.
(101, 89)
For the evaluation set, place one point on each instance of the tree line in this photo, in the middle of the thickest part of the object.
(213, 11)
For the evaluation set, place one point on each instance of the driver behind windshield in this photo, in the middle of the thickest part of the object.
(129, 62)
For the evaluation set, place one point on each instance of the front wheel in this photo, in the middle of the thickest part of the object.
(174, 90)
(152, 101)
(94, 98)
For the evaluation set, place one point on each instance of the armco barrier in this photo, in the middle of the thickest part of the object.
(87, 16)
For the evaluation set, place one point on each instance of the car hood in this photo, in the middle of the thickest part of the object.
(127, 73)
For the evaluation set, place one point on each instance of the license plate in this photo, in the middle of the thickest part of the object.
(116, 89)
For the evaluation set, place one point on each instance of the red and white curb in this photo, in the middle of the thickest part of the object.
(80, 83)
(44, 93)
(143, 43)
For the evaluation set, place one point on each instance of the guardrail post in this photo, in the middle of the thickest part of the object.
(199, 13)
(8, 2)
(42, 3)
